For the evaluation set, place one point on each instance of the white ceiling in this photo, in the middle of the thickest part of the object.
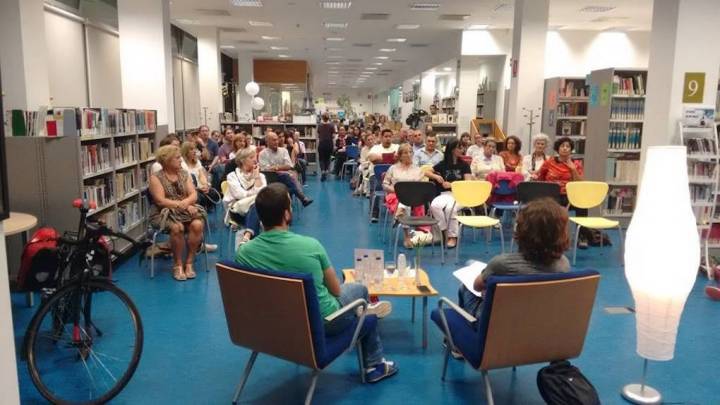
(299, 26)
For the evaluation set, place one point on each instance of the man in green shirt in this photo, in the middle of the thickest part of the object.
(279, 249)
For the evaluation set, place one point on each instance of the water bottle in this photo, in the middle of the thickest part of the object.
(359, 270)
(365, 269)
(401, 265)
(378, 270)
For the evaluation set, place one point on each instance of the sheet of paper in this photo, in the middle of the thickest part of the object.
(469, 273)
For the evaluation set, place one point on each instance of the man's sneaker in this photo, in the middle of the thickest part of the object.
(381, 309)
(210, 247)
(381, 371)
(307, 201)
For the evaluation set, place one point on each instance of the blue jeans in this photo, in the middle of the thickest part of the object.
(372, 350)
(251, 220)
(216, 175)
(288, 181)
(470, 302)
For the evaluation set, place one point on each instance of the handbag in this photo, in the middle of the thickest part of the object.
(243, 206)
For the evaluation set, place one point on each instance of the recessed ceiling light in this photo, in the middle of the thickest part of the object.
(227, 46)
(246, 3)
(335, 25)
(478, 27)
(279, 48)
(371, 68)
(454, 17)
(334, 49)
(596, 9)
(377, 63)
(396, 39)
(283, 56)
(332, 63)
(269, 38)
(381, 57)
(260, 24)
(387, 49)
(336, 5)
(335, 39)
(335, 57)
(186, 21)
(423, 6)
(407, 26)
(447, 69)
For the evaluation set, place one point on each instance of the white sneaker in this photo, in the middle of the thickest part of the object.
(210, 247)
(381, 309)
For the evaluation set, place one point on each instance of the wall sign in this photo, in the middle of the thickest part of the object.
(605, 94)
(594, 96)
(694, 87)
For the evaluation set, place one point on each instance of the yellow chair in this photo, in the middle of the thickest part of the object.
(589, 194)
(474, 193)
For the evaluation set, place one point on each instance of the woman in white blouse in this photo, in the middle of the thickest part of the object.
(487, 162)
(403, 170)
(532, 162)
(244, 183)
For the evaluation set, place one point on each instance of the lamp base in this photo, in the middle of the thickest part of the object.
(639, 394)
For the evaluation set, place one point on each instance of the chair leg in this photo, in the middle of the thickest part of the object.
(445, 361)
(152, 255)
(397, 235)
(488, 389)
(361, 363)
(575, 242)
(502, 240)
(311, 390)
(244, 378)
(442, 246)
(622, 245)
(412, 316)
(457, 245)
(207, 264)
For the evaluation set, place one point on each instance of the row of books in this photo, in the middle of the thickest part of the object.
(624, 109)
(99, 190)
(622, 171)
(126, 152)
(579, 147)
(125, 182)
(129, 214)
(571, 128)
(624, 137)
(701, 194)
(571, 109)
(104, 121)
(570, 88)
(95, 157)
(700, 146)
(702, 169)
(620, 200)
(84, 122)
(633, 85)
(145, 146)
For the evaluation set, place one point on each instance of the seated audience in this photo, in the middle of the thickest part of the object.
(364, 165)
(207, 145)
(465, 140)
(244, 183)
(403, 170)
(487, 162)
(216, 136)
(375, 156)
(169, 139)
(477, 148)
(532, 162)
(340, 151)
(191, 164)
(277, 248)
(175, 210)
(276, 159)
(417, 141)
(443, 207)
(241, 142)
(511, 155)
(294, 151)
(429, 155)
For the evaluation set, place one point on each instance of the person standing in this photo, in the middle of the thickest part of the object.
(326, 131)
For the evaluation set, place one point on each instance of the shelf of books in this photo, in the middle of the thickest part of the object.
(614, 135)
(565, 110)
(100, 154)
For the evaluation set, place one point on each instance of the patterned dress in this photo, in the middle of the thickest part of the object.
(163, 218)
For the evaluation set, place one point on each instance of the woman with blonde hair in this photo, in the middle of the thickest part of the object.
(244, 183)
(175, 210)
(403, 170)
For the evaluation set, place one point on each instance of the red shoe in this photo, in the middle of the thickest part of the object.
(713, 292)
(374, 299)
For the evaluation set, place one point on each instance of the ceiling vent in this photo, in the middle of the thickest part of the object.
(246, 3)
(608, 19)
(419, 45)
(363, 45)
(454, 17)
(503, 7)
(354, 60)
(596, 9)
(386, 70)
(246, 41)
(374, 16)
(399, 60)
(424, 6)
(232, 29)
(212, 12)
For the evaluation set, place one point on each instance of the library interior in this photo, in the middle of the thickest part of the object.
(335, 201)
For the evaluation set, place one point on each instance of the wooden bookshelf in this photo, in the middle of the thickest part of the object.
(614, 135)
(565, 109)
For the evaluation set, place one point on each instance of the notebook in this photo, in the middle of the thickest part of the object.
(388, 158)
(469, 273)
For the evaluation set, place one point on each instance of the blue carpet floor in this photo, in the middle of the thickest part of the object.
(189, 359)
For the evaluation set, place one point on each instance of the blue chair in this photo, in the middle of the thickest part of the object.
(352, 152)
(524, 320)
(277, 313)
(503, 189)
(376, 189)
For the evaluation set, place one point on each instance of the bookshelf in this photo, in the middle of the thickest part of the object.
(308, 135)
(614, 135)
(565, 110)
(106, 158)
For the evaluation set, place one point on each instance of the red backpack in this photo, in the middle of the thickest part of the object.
(39, 263)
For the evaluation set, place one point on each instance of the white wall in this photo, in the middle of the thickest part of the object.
(210, 76)
(104, 78)
(245, 75)
(473, 69)
(427, 90)
(381, 103)
(65, 44)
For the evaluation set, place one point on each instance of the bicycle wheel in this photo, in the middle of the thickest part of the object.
(84, 343)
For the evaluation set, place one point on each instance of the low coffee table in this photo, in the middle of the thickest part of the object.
(394, 287)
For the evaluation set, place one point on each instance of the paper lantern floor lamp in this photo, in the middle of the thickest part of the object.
(662, 255)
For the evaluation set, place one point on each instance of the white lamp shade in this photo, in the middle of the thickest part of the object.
(662, 251)
(252, 89)
(258, 103)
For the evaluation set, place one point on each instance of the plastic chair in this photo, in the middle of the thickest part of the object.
(590, 194)
(415, 194)
(277, 313)
(376, 190)
(353, 153)
(518, 324)
(533, 190)
(504, 189)
(473, 193)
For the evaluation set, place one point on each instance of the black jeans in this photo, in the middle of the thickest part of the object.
(324, 155)
(340, 158)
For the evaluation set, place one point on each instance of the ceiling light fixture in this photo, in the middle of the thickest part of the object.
(596, 9)
(447, 69)
(279, 48)
(334, 49)
(396, 39)
(478, 27)
(246, 3)
(377, 63)
(260, 24)
(283, 56)
(227, 46)
(381, 57)
(336, 5)
(332, 63)
(407, 26)
(269, 38)
(424, 6)
(335, 39)
(335, 25)
(387, 49)
(371, 68)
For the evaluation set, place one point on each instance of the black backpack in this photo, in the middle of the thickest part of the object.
(561, 383)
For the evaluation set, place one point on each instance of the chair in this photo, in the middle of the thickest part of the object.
(277, 313)
(473, 193)
(353, 153)
(415, 194)
(376, 190)
(524, 320)
(589, 194)
(533, 190)
(504, 189)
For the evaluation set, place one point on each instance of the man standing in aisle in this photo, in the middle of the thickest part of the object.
(429, 155)
(275, 159)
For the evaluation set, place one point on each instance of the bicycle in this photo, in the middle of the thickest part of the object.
(75, 342)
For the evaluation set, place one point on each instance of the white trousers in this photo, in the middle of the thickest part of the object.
(444, 209)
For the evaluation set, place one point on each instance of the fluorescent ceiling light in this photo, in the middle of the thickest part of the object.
(269, 38)
(227, 46)
(407, 26)
(396, 39)
(260, 24)
(186, 21)
(370, 68)
(246, 3)
(377, 63)
(381, 57)
(279, 48)
(335, 39)
(335, 57)
(332, 63)
(387, 49)
(336, 5)
(283, 56)
(447, 69)
(335, 25)
(424, 6)
(596, 9)
(334, 49)
(478, 27)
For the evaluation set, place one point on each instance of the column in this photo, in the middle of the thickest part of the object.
(245, 75)
(146, 58)
(8, 378)
(210, 75)
(23, 53)
(528, 71)
(680, 42)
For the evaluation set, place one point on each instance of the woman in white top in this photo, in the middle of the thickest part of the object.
(403, 170)
(191, 164)
(476, 148)
(532, 162)
(363, 171)
(487, 162)
(244, 183)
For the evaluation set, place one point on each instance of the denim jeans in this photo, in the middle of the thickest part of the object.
(216, 175)
(470, 302)
(372, 350)
(290, 183)
(251, 220)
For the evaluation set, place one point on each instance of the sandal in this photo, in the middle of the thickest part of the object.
(408, 244)
(178, 273)
(451, 242)
(189, 272)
